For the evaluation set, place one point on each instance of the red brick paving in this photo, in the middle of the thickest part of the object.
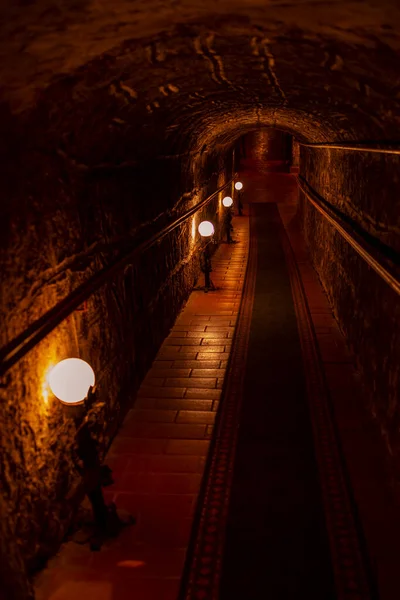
(158, 456)
(169, 403)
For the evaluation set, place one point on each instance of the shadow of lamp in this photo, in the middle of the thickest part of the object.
(72, 381)
(228, 203)
(206, 230)
(238, 188)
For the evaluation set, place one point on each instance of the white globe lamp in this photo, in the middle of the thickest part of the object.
(227, 201)
(70, 380)
(206, 229)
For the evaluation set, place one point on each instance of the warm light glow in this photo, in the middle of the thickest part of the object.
(71, 379)
(238, 185)
(194, 227)
(45, 392)
(206, 228)
(227, 201)
(44, 385)
(133, 564)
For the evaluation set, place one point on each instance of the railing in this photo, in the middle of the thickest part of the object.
(350, 146)
(12, 352)
(373, 257)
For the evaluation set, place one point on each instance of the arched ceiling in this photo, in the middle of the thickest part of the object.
(40, 39)
(102, 81)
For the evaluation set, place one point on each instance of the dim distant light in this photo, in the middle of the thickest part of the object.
(238, 185)
(206, 229)
(133, 564)
(227, 201)
(70, 380)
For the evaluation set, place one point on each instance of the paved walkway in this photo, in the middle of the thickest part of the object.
(158, 456)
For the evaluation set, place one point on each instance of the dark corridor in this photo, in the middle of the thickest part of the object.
(138, 140)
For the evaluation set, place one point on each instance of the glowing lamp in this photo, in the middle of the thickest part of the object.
(206, 229)
(227, 201)
(238, 185)
(70, 380)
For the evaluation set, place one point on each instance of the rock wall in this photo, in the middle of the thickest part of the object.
(62, 224)
(366, 188)
(295, 162)
(267, 145)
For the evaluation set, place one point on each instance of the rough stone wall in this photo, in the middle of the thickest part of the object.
(266, 145)
(366, 188)
(60, 226)
(295, 153)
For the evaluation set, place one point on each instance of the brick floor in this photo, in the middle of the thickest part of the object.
(159, 454)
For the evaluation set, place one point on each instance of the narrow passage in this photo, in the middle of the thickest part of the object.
(276, 543)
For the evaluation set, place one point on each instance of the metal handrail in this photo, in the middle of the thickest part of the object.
(348, 146)
(360, 245)
(12, 352)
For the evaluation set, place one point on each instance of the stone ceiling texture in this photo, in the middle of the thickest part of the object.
(124, 81)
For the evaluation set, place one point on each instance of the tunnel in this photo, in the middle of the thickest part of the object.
(241, 432)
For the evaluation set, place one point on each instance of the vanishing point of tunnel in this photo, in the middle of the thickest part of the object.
(199, 301)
